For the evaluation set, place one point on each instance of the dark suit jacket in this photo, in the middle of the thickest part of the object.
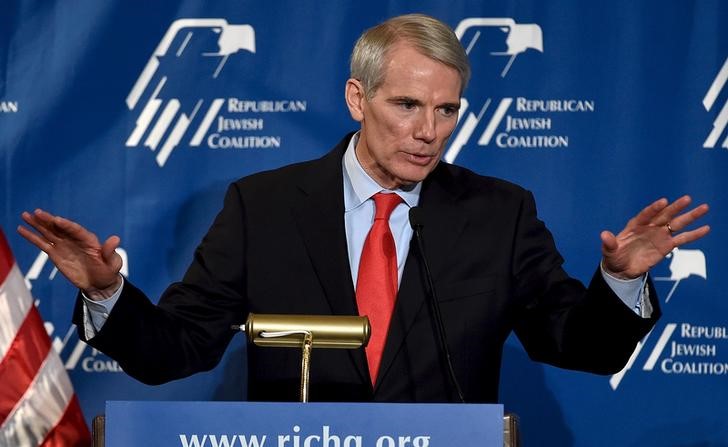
(279, 246)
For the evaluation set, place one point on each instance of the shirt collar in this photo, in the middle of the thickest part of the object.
(359, 186)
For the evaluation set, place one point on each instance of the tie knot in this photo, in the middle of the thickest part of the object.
(385, 204)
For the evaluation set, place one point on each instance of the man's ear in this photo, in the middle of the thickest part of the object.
(355, 97)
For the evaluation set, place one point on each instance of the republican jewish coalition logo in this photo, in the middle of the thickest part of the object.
(508, 122)
(9, 107)
(721, 121)
(233, 38)
(176, 108)
(681, 347)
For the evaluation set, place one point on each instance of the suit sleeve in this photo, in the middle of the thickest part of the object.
(190, 328)
(560, 321)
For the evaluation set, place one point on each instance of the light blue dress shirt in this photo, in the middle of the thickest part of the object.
(359, 209)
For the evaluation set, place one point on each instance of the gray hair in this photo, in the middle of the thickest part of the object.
(430, 36)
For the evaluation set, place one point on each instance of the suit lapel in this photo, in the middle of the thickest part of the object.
(319, 215)
(443, 224)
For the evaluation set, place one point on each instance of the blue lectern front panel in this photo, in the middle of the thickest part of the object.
(245, 424)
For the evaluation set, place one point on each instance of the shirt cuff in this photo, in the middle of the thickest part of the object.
(95, 313)
(634, 293)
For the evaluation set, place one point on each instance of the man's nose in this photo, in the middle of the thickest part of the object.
(426, 127)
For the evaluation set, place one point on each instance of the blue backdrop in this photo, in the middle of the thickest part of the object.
(132, 117)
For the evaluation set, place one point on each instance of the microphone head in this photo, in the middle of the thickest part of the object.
(416, 218)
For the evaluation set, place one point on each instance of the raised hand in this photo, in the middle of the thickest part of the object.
(89, 265)
(650, 236)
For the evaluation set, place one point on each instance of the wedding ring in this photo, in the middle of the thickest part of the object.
(669, 228)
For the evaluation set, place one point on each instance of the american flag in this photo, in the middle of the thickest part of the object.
(38, 406)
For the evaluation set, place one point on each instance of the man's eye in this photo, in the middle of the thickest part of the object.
(449, 111)
(407, 105)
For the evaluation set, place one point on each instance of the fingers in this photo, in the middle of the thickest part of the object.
(685, 219)
(661, 212)
(72, 230)
(108, 250)
(690, 236)
(669, 212)
(648, 213)
(675, 223)
(42, 222)
(609, 241)
(34, 239)
(54, 230)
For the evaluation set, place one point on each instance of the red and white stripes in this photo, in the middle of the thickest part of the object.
(37, 402)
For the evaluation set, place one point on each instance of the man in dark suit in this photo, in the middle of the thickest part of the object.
(297, 240)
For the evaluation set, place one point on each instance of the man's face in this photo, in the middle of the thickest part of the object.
(405, 125)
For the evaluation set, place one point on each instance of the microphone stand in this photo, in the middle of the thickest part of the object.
(415, 216)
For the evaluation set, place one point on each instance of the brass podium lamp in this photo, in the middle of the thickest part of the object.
(306, 332)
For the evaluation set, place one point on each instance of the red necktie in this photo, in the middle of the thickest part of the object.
(376, 285)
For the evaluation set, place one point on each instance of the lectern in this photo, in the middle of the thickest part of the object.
(263, 424)
(268, 424)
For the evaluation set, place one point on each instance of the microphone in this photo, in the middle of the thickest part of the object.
(416, 219)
